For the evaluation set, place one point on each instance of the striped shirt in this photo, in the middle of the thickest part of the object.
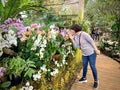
(84, 42)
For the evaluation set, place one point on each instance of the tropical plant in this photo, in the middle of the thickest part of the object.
(101, 12)
(11, 8)
(17, 66)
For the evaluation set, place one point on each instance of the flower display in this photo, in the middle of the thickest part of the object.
(36, 47)
(111, 47)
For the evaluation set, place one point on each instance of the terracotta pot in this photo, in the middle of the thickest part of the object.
(56, 57)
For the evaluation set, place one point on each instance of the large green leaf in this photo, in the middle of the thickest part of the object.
(5, 84)
(13, 7)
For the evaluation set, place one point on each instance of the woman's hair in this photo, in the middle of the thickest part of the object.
(76, 27)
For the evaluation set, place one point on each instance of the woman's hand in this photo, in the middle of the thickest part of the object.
(71, 36)
(97, 52)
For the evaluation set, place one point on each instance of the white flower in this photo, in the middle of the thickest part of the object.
(1, 52)
(37, 42)
(23, 88)
(42, 49)
(107, 49)
(54, 72)
(33, 38)
(31, 88)
(39, 37)
(48, 70)
(52, 26)
(42, 45)
(27, 87)
(115, 42)
(56, 63)
(37, 76)
(118, 53)
(110, 43)
(5, 43)
(27, 83)
(61, 65)
(41, 54)
(13, 42)
(33, 48)
(43, 68)
(63, 45)
(63, 61)
(11, 32)
(45, 42)
(34, 77)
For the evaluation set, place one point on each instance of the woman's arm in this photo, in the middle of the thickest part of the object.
(96, 49)
(91, 41)
(75, 44)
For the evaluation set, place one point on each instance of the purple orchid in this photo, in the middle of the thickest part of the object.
(2, 71)
(13, 22)
(63, 32)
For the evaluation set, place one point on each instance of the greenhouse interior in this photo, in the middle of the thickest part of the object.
(59, 44)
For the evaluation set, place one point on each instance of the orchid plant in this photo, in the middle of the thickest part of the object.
(42, 45)
(36, 45)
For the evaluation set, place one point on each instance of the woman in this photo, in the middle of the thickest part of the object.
(89, 50)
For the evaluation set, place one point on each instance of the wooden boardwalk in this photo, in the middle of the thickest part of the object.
(108, 73)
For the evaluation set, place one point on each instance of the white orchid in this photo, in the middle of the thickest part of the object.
(52, 26)
(27, 87)
(43, 68)
(54, 72)
(5, 43)
(45, 42)
(37, 76)
(56, 63)
(27, 84)
(41, 54)
(42, 49)
(1, 52)
(11, 38)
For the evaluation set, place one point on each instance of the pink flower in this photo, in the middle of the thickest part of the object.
(63, 32)
(2, 71)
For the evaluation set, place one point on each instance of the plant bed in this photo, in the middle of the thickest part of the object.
(110, 48)
(62, 81)
(45, 59)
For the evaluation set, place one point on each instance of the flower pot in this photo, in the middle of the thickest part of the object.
(56, 57)
(16, 80)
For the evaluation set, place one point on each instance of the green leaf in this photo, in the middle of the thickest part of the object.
(5, 84)
(29, 72)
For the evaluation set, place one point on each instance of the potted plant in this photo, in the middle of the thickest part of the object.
(18, 68)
